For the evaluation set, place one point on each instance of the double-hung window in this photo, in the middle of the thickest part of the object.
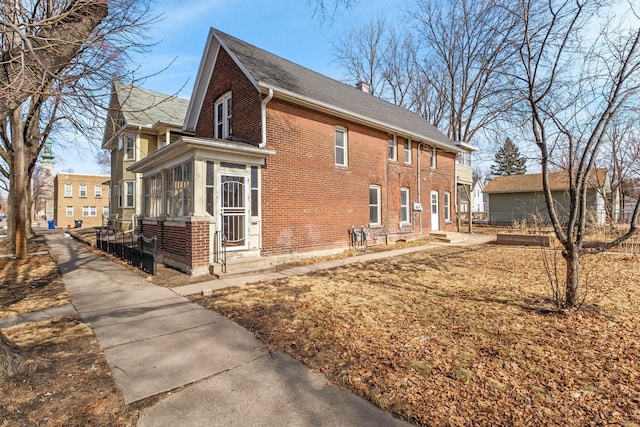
(128, 194)
(434, 158)
(98, 190)
(407, 150)
(83, 190)
(404, 206)
(153, 195)
(447, 206)
(223, 116)
(374, 205)
(179, 181)
(88, 211)
(69, 211)
(68, 190)
(393, 148)
(129, 147)
(341, 150)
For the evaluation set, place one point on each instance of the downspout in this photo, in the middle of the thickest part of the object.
(263, 112)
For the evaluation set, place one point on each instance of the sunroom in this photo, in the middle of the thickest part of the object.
(198, 194)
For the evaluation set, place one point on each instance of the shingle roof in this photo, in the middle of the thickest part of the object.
(145, 107)
(268, 69)
(532, 182)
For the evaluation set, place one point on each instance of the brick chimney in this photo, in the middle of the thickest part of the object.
(364, 87)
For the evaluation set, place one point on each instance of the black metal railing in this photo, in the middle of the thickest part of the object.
(220, 250)
(139, 251)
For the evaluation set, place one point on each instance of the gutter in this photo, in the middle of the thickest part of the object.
(263, 113)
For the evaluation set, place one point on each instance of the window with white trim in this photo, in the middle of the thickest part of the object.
(68, 192)
(83, 190)
(374, 205)
(69, 211)
(129, 188)
(118, 195)
(341, 147)
(179, 181)
(406, 145)
(434, 157)
(98, 190)
(105, 211)
(210, 188)
(89, 211)
(130, 147)
(223, 116)
(255, 196)
(393, 148)
(447, 206)
(404, 206)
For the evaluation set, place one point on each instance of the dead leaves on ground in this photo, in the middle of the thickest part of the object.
(454, 336)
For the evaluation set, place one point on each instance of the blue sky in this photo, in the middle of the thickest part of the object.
(285, 28)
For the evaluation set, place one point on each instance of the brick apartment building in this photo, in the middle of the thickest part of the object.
(285, 160)
(80, 197)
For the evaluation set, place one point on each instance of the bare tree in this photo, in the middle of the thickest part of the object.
(574, 80)
(58, 59)
(328, 9)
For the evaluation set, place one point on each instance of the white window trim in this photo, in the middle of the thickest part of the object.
(405, 207)
(379, 207)
(345, 146)
(227, 116)
(433, 162)
(70, 192)
(129, 137)
(69, 212)
(447, 206)
(126, 194)
(80, 191)
(406, 151)
(97, 190)
(392, 144)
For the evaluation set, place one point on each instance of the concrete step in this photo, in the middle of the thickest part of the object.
(242, 267)
(449, 237)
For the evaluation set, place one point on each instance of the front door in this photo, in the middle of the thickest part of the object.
(233, 208)
(435, 224)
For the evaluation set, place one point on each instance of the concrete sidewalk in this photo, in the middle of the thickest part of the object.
(157, 341)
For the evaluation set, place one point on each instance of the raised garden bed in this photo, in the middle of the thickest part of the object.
(523, 240)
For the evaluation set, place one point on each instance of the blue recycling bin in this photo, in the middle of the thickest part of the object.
(52, 225)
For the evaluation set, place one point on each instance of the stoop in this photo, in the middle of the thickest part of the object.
(449, 237)
(243, 266)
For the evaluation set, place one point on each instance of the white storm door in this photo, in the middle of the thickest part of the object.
(233, 208)
(435, 224)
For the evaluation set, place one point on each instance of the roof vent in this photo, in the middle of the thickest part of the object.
(364, 87)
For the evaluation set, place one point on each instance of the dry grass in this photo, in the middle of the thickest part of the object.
(459, 336)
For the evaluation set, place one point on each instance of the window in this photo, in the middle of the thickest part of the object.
(393, 148)
(374, 205)
(407, 151)
(404, 206)
(433, 158)
(116, 191)
(83, 190)
(128, 187)
(153, 195)
(341, 147)
(69, 211)
(129, 147)
(89, 211)
(67, 190)
(105, 211)
(447, 206)
(254, 192)
(179, 181)
(464, 159)
(210, 188)
(98, 190)
(223, 117)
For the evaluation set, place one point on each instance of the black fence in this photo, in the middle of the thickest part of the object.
(138, 251)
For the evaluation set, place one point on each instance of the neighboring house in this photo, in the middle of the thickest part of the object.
(479, 200)
(520, 197)
(286, 160)
(42, 185)
(80, 197)
(464, 179)
(139, 122)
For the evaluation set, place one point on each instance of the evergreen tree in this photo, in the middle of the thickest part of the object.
(509, 161)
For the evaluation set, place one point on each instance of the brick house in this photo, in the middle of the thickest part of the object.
(285, 160)
(79, 197)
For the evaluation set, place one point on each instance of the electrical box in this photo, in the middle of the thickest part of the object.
(417, 207)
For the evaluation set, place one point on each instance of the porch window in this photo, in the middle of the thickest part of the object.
(447, 206)
(179, 181)
(254, 192)
(223, 116)
(404, 205)
(374, 205)
(209, 184)
(153, 196)
(393, 148)
(341, 147)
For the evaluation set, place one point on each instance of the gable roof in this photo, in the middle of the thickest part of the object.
(303, 86)
(144, 107)
(532, 182)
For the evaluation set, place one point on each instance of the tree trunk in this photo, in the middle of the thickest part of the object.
(19, 184)
(11, 361)
(572, 258)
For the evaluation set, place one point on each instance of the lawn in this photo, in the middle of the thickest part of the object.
(460, 336)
